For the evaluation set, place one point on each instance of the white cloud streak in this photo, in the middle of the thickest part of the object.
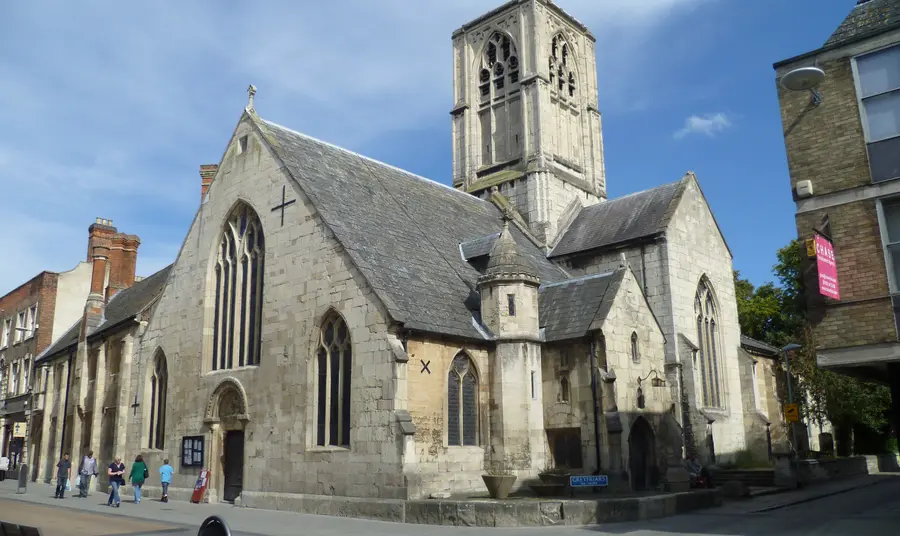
(709, 125)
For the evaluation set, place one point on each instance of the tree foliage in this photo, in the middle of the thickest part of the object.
(776, 314)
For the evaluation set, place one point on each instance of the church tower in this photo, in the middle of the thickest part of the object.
(525, 117)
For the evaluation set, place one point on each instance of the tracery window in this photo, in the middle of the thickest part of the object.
(239, 275)
(158, 389)
(707, 338)
(462, 402)
(562, 75)
(334, 362)
(500, 111)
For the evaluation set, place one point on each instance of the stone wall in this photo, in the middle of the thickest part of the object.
(307, 275)
(436, 466)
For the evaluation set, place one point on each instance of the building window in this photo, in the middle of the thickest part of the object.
(4, 335)
(334, 365)
(238, 279)
(878, 81)
(13, 387)
(564, 389)
(462, 403)
(26, 372)
(890, 237)
(511, 304)
(707, 339)
(158, 390)
(244, 142)
(635, 356)
(20, 327)
(32, 321)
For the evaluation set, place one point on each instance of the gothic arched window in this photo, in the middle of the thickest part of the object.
(564, 389)
(239, 270)
(462, 402)
(635, 356)
(500, 111)
(158, 389)
(707, 340)
(561, 72)
(334, 363)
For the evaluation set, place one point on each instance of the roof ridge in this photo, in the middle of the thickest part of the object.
(580, 279)
(632, 194)
(369, 158)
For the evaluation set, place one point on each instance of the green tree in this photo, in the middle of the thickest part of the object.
(776, 314)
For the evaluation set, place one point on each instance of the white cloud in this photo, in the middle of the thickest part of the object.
(709, 125)
(118, 103)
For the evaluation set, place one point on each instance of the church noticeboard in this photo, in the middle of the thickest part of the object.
(825, 262)
(192, 451)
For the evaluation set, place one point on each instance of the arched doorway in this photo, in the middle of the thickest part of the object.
(227, 417)
(642, 455)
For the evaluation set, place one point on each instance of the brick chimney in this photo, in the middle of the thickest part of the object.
(117, 256)
(207, 174)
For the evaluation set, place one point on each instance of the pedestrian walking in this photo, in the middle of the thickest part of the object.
(139, 474)
(87, 470)
(116, 472)
(165, 478)
(63, 474)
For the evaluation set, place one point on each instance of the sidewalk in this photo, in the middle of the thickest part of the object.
(774, 501)
(248, 521)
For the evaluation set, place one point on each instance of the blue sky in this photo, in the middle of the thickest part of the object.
(110, 107)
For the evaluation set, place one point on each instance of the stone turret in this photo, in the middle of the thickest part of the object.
(509, 309)
(509, 291)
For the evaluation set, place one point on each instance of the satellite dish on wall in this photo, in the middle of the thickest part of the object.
(805, 79)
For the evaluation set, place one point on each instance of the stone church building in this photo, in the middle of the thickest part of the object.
(334, 325)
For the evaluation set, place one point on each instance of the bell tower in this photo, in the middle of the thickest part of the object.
(525, 117)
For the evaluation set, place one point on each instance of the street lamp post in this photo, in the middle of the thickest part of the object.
(787, 372)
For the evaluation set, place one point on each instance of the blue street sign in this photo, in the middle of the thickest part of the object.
(588, 481)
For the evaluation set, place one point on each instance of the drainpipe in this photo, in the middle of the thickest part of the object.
(594, 396)
(643, 270)
(65, 416)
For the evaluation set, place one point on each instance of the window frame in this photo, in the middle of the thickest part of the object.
(472, 369)
(860, 103)
(324, 402)
(892, 272)
(5, 330)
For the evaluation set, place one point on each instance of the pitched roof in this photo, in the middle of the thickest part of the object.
(627, 218)
(403, 232)
(131, 301)
(867, 18)
(67, 341)
(759, 346)
(567, 309)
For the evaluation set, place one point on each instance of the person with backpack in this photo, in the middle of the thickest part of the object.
(139, 474)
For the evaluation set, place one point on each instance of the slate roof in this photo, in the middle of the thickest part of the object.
(759, 346)
(402, 231)
(68, 340)
(866, 18)
(567, 309)
(122, 307)
(620, 220)
(131, 301)
(506, 259)
(478, 247)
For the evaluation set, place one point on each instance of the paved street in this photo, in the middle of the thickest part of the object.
(871, 509)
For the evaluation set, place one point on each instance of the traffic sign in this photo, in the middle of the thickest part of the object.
(792, 412)
(19, 429)
(588, 481)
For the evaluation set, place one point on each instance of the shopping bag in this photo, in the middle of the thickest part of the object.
(78, 481)
(68, 484)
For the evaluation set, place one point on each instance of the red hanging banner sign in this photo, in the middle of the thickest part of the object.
(825, 262)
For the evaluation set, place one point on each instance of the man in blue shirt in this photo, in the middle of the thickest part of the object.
(165, 477)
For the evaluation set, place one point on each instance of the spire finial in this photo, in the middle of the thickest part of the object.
(508, 213)
(251, 91)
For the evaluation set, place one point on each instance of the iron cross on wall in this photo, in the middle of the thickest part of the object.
(284, 203)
